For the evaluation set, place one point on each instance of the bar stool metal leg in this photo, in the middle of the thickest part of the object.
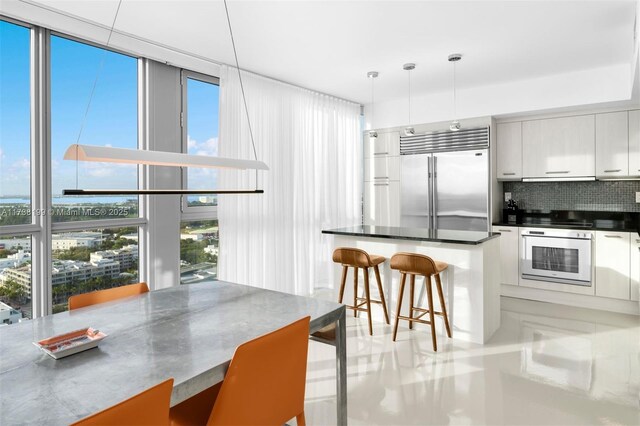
(443, 304)
(431, 314)
(384, 303)
(368, 299)
(412, 286)
(403, 278)
(343, 281)
(355, 291)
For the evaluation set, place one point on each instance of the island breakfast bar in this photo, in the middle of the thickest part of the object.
(471, 283)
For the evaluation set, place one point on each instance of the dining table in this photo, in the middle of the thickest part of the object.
(188, 332)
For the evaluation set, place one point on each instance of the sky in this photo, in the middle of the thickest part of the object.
(111, 119)
(14, 110)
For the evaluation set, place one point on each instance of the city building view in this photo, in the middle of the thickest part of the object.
(93, 260)
(81, 261)
(198, 251)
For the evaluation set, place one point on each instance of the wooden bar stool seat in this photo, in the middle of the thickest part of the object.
(413, 264)
(356, 258)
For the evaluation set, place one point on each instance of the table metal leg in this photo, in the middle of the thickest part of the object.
(341, 368)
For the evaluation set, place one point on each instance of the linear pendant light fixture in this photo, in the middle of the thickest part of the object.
(106, 154)
(77, 152)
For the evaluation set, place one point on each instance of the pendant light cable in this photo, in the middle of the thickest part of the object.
(372, 75)
(95, 83)
(409, 67)
(160, 192)
(455, 109)
(373, 112)
(455, 124)
(409, 96)
(244, 99)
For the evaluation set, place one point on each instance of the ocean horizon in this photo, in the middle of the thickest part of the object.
(60, 199)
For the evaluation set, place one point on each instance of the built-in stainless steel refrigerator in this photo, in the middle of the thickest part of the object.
(445, 180)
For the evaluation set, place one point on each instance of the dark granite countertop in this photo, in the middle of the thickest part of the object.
(416, 234)
(570, 226)
(579, 220)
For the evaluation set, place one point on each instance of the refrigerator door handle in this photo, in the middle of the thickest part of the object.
(430, 189)
(434, 190)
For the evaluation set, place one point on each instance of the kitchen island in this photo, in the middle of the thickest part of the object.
(471, 283)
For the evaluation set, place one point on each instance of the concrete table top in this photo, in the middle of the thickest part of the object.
(187, 332)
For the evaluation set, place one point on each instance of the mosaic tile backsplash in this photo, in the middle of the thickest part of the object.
(614, 196)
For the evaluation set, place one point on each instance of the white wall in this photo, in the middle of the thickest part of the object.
(600, 85)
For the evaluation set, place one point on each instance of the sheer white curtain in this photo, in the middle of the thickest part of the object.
(311, 142)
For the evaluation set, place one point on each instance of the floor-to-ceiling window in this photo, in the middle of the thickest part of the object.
(94, 101)
(15, 173)
(57, 91)
(199, 241)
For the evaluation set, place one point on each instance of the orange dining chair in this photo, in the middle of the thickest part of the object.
(148, 408)
(264, 385)
(101, 296)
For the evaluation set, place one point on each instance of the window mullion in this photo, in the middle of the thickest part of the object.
(87, 224)
(41, 171)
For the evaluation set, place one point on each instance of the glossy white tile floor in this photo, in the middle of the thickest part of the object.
(546, 365)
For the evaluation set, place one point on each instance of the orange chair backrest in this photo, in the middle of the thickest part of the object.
(101, 296)
(265, 382)
(413, 263)
(352, 257)
(148, 408)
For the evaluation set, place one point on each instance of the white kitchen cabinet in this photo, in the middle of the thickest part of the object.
(634, 274)
(382, 203)
(509, 145)
(381, 168)
(384, 144)
(509, 254)
(612, 264)
(559, 147)
(612, 145)
(634, 143)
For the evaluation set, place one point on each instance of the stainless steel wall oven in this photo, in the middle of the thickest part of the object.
(557, 256)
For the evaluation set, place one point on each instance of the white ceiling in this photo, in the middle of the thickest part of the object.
(329, 46)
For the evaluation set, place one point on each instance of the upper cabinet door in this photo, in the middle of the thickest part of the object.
(509, 141)
(612, 145)
(384, 144)
(559, 147)
(634, 143)
(509, 146)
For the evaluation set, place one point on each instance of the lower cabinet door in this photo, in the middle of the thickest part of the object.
(382, 203)
(612, 265)
(388, 203)
(509, 254)
(634, 276)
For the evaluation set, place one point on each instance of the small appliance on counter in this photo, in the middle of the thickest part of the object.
(512, 214)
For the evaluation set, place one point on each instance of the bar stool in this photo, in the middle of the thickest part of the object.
(356, 258)
(416, 264)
